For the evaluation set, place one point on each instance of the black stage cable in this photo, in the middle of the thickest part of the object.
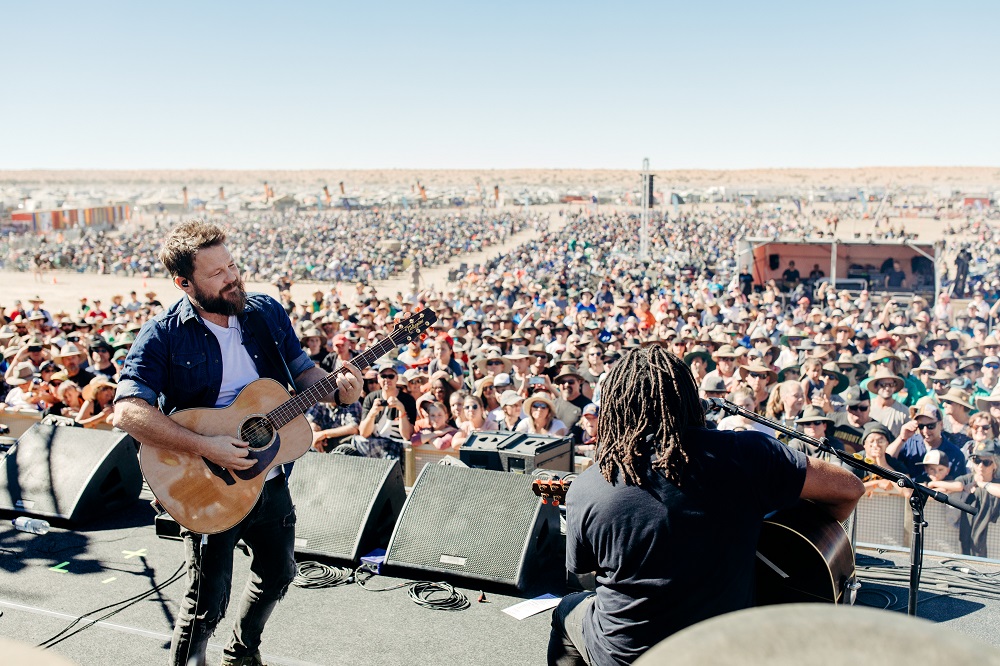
(59, 637)
(423, 593)
(316, 575)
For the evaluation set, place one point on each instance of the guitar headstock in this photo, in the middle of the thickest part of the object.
(551, 490)
(412, 326)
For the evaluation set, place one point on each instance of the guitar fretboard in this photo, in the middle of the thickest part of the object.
(288, 410)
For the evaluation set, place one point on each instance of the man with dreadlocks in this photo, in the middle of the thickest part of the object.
(668, 547)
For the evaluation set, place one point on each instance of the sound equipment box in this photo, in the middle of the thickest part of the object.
(345, 506)
(474, 523)
(74, 474)
(517, 452)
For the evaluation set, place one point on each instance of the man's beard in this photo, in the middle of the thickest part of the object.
(229, 302)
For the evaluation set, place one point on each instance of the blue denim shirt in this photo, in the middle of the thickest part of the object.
(176, 361)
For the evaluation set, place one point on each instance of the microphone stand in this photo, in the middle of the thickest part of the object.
(918, 496)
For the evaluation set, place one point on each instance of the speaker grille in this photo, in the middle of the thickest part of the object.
(472, 522)
(70, 473)
(342, 501)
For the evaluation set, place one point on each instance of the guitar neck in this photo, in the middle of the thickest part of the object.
(300, 403)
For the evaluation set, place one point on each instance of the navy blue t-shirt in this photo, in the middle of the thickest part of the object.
(667, 558)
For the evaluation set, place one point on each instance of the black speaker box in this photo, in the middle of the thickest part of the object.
(517, 452)
(474, 523)
(773, 261)
(74, 474)
(345, 506)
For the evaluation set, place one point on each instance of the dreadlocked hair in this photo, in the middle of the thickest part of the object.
(648, 392)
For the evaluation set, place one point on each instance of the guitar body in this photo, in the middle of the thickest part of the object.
(206, 498)
(803, 555)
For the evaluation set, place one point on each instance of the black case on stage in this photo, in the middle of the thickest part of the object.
(517, 452)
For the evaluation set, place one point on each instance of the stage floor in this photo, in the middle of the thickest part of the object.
(48, 581)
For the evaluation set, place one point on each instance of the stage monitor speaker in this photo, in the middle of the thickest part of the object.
(517, 452)
(474, 523)
(345, 506)
(531, 452)
(74, 474)
(481, 448)
(773, 261)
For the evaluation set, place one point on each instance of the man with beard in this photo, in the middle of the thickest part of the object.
(201, 352)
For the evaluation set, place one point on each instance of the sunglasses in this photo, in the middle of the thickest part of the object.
(472, 407)
(833, 377)
(539, 405)
(882, 385)
(980, 426)
(757, 375)
(858, 408)
(927, 426)
(941, 382)
(883, 361)
(986, 462)
(388, 375)
(494, 362)
(992, 366)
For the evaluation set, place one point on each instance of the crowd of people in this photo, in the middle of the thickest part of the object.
(524, 343)
(326, 246)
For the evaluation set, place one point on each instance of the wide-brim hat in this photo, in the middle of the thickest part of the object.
(958, 396)
(539, 397)
(569, 371)
(783, 373)
(539, 349)
(791, 333)
(812, 414)
(927, 365)
(882, 374)
(700, 351)
(518, 352)
(493, 356)
(725, 351)
(842, 381)
(99, 382)
(68, 350)
(983, 402)
(757, 366)
(942, 339)
(22, 374)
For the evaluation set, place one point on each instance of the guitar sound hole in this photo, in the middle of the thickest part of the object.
(257, 432)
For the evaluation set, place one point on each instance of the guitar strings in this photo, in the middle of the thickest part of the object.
(278, 414)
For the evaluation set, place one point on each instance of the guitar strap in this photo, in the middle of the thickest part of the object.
(268, 344)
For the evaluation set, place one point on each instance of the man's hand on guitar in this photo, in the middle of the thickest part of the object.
(349, 385)
(228, 452)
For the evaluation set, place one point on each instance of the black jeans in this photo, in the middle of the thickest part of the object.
(566, 644)
(269, 531)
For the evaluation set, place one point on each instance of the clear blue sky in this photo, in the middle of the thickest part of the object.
(499, 85)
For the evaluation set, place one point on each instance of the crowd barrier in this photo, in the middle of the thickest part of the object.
(884, 520)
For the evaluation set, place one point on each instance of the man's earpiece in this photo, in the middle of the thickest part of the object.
(185, 283)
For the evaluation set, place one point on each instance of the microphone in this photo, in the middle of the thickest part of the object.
(724, 405)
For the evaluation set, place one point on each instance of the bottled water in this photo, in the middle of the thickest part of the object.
(33, 525)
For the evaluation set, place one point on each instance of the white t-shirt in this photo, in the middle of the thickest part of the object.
(238, 368)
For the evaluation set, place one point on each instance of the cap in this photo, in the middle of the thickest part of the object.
(509, 398)
(928, 411)
(590, 410)
(936, 457)
(502, 380)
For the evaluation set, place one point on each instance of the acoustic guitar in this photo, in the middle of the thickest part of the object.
(803, 555)
(207, 498)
